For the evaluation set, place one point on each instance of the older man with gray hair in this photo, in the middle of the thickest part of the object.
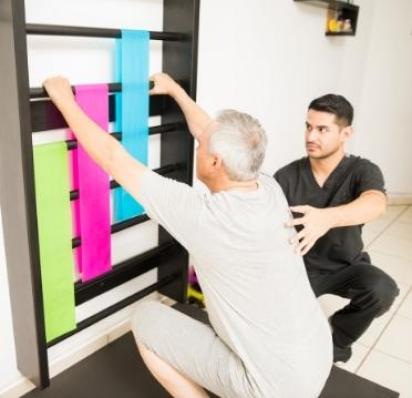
(269, 337)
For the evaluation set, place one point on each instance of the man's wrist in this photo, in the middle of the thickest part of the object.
(67, 106)
(176, 91)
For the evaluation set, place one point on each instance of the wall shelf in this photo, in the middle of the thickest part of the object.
(339, 33)
(337, 10)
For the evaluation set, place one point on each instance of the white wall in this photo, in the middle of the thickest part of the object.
(269, 58)
(384, 115)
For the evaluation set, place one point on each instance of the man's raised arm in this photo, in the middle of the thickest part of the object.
(197, 119)
(105, 150)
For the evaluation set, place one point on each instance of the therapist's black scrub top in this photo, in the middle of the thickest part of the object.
(343, 246)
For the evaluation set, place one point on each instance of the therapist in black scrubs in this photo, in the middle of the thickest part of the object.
(331, 196)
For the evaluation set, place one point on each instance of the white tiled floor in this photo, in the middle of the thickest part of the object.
(384, 353)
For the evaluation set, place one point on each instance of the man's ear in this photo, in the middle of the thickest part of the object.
(217, 163)
(347, 133)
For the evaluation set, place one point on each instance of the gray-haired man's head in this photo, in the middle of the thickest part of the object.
(238, 141)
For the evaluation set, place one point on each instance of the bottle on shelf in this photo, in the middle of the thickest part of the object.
(347, 25)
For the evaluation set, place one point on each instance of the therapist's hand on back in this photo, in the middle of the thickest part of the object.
(316, 222)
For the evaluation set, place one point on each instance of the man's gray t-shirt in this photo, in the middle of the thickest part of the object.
(257, 293)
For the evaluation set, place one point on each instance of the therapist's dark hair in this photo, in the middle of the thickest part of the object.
(338, 105)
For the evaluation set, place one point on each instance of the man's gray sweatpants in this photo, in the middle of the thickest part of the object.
(192, 348)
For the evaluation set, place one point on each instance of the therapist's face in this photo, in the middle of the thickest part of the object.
(324, 136)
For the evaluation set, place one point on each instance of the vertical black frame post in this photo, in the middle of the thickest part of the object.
(17, 197)
(180, 61)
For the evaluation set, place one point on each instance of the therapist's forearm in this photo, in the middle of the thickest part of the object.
(364, 209)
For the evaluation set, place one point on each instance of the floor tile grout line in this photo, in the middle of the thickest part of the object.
(404, 316)
(405, 361)
(386, 227)
(394, 313)
(387, 253)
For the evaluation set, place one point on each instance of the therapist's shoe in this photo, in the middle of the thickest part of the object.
(341, 354)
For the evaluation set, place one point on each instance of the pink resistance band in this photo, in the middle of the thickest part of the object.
(91, 211)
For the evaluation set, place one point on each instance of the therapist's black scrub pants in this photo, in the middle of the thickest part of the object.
(370, 290)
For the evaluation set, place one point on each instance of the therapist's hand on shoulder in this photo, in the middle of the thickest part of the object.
(316, 222)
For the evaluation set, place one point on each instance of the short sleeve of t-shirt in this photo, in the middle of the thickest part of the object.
(368, 176)
(174, 205)
(278, 176)
(287, 177)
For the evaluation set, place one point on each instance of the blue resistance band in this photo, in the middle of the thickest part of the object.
(132, 109)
